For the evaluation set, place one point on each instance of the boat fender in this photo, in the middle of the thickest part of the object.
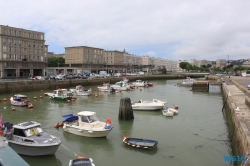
(108, 121)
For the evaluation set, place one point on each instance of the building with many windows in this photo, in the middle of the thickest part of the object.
(85, 59)
(22, 52)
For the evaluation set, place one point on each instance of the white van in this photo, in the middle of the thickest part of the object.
(103, 73)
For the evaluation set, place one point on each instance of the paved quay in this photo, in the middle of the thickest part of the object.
(236, 95)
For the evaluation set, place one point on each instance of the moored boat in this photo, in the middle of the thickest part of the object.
(86, 124)
(61, 95)
(79, 91)
(147, 105)
(140, 143)
(139, 83)
(174, 111)
(20, 100)
(167, 113)
(81, 162)
(29, 139)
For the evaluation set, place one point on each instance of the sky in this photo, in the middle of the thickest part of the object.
(169, 29)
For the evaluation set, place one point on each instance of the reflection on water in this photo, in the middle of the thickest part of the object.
(196, 136)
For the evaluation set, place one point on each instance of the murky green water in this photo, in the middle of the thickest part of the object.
(197, 136)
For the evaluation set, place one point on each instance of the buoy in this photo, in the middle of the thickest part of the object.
(4, 99)
(1, 132)
(56, 125)
(30, 106)
(96, 95)
(140, 89)
(41, 96)
(41, 90)
(69, 101)
(13, 109)
(73, 99)
(176, 106)
(35, 97)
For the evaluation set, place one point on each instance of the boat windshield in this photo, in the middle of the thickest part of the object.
(89, 119)
(33, 131)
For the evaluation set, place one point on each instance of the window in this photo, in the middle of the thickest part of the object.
(21, 57)
(15, 49)
(9, 41)
(4, 56)
(14, 41)
(4, 31)
(9, 48)
(9, 31)
(15, 32)
(4, 41)
(20, 50)
(20, 42)
(15, 58)
(20, 33)
(38, 58)
(4, 48)
(10, 56)
(28, 35)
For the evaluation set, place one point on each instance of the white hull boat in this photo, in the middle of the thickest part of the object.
(20, 100)
(79, 91)
(29, 139)
(86, 124)
(121, 86)
(167, 113)
(139, 83)
(147, 105)
(174, 111)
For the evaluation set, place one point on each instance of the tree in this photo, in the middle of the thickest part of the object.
(56, 61)
(183, 65)
(209, 65)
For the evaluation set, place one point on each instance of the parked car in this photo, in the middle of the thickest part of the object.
(248, 86)
(51, 76)
(60, 77)
(38, 77)
(69, 77)
(219, 74)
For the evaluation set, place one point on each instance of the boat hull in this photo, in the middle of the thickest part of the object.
(60, 98)
(33, 150)
(140, 143)
(86, 133)
(19, 103)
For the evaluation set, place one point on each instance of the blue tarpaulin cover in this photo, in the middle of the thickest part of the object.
(70, 118)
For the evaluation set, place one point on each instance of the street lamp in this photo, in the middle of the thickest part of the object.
(58, 64)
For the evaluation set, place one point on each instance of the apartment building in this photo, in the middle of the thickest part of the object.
(114, 61)
(221, 63)
(147, 63)
(22, 52)
(85, 59)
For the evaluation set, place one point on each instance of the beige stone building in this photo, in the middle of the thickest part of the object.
(221, 63)
(22, 52)
(85, 59)
(114, 61)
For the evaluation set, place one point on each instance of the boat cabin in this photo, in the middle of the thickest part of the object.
(19, 97)
(87, 117)
(27, 129)
(79, 88)
(60, 92)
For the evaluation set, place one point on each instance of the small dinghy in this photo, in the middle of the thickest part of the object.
(174, 111)
(140, 143)
(167, 113)
(81, 162)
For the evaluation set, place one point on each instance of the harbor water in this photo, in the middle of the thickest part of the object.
(197, 136)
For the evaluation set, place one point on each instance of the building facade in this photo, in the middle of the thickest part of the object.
(22, 52)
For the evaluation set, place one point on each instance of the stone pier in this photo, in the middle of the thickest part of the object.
(236, 110)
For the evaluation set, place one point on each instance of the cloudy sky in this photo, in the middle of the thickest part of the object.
(170, 29)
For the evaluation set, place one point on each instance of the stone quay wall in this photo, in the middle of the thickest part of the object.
(19, 86)
(237, 114)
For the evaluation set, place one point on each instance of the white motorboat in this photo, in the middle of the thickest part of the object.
(121, 86)
(139, 83)
(160, 101)
(174, 111)
(62, 95)
(20, 100)
(86, 124)
(79, 91)
(29, 139)
(167, 113)
(106, 88)
(186, 82)
(147, 105)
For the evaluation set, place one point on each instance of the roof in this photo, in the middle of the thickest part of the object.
(27, 125)
(86, 113)
(19, 95)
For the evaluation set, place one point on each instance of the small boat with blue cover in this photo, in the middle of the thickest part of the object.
(140, 143)
(81, 162)
(20, 100)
